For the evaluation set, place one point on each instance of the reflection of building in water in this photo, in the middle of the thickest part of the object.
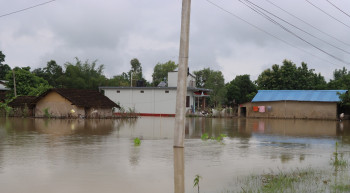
(291, 127)
(61, 127)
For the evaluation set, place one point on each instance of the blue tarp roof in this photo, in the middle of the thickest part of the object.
(298, 95)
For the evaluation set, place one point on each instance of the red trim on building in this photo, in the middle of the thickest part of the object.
(151, 115)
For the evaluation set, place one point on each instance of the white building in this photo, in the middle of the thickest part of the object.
(158, 101)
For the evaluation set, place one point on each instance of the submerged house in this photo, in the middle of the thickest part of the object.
(295, 104)
(160, 100)
(23, 106)
(3, 90)
(61, 102)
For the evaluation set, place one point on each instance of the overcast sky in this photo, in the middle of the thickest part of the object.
(225, 35)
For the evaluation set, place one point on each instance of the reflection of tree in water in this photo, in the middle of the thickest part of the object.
(286, 157)
(214, 127)
(343, 131)
(134, 155)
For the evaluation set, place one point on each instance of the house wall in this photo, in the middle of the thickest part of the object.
(57, 106)
(293, 109)
(153, 101)
(172, 80)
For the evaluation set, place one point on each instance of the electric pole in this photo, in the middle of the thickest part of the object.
(14, 82)
(179, 131)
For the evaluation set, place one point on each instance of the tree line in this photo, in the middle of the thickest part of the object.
(89, 75)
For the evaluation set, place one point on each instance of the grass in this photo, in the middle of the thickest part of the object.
(308, 180)
(335, 178)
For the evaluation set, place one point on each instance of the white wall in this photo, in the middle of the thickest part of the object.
(172, 80)
(151, 101)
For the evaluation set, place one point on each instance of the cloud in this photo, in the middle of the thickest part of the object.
(116, 31)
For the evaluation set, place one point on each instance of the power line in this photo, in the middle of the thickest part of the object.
(338, 8)
(327, 13)
(7, 14)
(308, 23)
(289, 31)
(257, 6)
(274, 36)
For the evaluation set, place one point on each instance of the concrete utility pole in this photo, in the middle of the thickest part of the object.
(179, 131)
(14, 82)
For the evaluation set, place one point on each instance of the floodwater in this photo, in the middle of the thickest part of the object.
(89, 156)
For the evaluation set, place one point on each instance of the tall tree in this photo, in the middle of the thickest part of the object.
(214, 80)
(240, 90)
(83, 75)
(341, 79)
(4, 68)
(135, 72)
(27, 83)
(160, 72)
(119, 80)
(290, 77)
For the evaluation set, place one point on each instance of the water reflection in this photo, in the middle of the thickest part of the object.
(179, 170)
(70, 154)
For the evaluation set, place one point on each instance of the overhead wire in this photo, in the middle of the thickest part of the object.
(259, 7)
(37, 5)
(268, 33)
(289, 31)
(338, 8)
(327, 14)
(307, 23)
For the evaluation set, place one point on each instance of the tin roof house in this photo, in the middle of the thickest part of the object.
(295, 104)
(160, 100)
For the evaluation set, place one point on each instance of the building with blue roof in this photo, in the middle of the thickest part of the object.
(298, 104)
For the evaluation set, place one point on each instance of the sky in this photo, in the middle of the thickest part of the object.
(232, 36)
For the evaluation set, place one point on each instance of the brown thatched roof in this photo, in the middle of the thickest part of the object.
(21, 101)
(83, 98)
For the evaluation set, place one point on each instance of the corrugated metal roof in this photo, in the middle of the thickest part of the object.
(298, 95)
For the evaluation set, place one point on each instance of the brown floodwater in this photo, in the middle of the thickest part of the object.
(89, 156)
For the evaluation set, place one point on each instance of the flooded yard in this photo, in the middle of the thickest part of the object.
(88, 156)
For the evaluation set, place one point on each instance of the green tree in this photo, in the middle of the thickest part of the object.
(4, 68)
(160, 72)
(290, 77)
(341, 79)
(214, 80)
(240, 90)
(82, 75)
(27, 83)
(119, 80)
(135, 72)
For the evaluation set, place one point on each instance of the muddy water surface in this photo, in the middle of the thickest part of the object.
(88, 156)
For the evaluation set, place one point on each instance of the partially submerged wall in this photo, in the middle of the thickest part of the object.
(291, 110)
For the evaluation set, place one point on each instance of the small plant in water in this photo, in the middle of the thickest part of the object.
(338, 162)
(205, 136)
(196, 181)
(137, 141)
(46, 113)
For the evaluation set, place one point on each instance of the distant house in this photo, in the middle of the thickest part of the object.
(158, 101)
(73, 103)
(23, 106)
(296, 104)
(3, 90)
(3, 87)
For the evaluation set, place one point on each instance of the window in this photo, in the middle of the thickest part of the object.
(187, 101)
(166, 91)
(142, 91)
